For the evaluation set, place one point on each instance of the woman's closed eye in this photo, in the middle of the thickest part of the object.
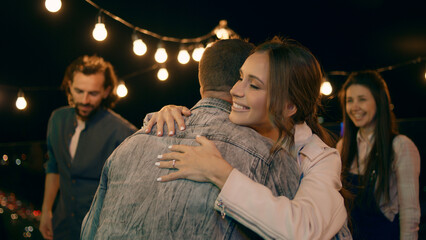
(254, 86)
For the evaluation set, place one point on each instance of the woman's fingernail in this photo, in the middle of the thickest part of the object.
(146, 130)
(170, 146)
(170, 133)
(157, 164)
(160, 156)
(159, 179)
(159, 133)
(198, 136)
(182, 128)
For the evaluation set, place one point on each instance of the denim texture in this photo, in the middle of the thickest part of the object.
(131, 204)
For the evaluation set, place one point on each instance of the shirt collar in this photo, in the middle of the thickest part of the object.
(302, 132)
(213, 102)
(93, 119)
(361, 138)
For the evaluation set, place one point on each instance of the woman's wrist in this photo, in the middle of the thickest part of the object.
(221, 176)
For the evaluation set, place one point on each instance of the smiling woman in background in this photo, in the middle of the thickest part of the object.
(380, 166)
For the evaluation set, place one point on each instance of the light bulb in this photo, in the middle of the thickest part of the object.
(100, 32)
(222, 31)
(162, 74)
(53, 5)
(139, 47)
(183, 56)
(326, 88)
(160, 55)
(21, 103)
(198, 53)
(121, 90)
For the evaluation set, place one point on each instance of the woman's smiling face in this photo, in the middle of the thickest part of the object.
(361, 106)
(249, 94)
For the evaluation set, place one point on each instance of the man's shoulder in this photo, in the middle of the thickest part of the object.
(62, 112)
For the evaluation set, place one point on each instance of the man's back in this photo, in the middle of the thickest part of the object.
(131, 204)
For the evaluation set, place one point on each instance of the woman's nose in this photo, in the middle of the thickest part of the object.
(237, 89)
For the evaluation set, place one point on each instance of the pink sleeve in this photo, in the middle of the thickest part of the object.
(316, 212)
(407, 167)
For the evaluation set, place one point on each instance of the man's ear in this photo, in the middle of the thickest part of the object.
(291, 109)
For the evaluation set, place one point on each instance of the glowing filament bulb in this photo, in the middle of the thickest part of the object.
(99, 32)
(326, 88)
(21, 103)
(121, 90)
(163, 74)
(183, 56)
(222, 31)
(53, 5)
(198, 53)
(139, 47)
(160, 55)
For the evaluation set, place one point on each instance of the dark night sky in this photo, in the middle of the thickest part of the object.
(345, 35)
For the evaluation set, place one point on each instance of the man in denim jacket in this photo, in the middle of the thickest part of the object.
(131, 204)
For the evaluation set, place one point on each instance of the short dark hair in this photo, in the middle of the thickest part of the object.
(219, 68)
(89, 65)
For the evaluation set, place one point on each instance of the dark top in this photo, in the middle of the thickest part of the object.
(103, 132)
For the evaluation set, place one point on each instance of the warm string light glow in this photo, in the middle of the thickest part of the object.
(139, 47)
(53, 5)
(326, 88)
(161, 54)
(198, 53)
(21, 103)
(99, 32)
(183, 56)
(162, 74)
(222, 31)
(121, 90)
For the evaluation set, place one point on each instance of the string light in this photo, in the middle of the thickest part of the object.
(183, 56)
(139, 47)
(425, 71)
(160, 54)
(53, 5)
(162, 74)
(121, 90)
(21, 103)
(99, 32)
(198, 52)
(222, 31)
(326, 87)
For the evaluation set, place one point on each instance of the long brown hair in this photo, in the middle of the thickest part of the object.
(89, 65)
(380, 159)
(295, 78)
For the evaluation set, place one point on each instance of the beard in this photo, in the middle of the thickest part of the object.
(85, 114)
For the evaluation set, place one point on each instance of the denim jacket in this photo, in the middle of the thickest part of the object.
(131, 204)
